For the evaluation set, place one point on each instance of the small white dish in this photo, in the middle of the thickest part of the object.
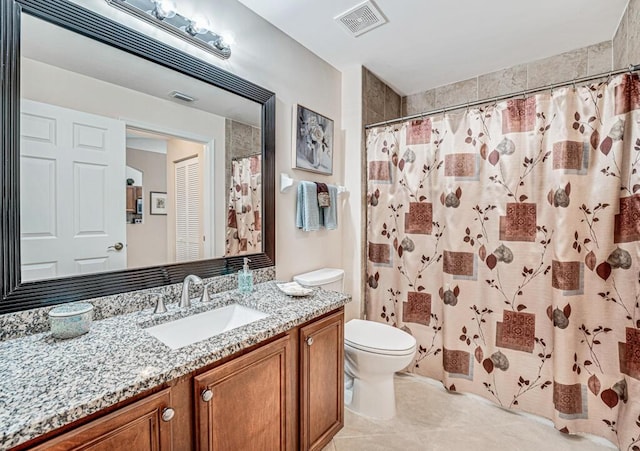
(294, 289)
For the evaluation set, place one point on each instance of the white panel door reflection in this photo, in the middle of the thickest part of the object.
(72, 168)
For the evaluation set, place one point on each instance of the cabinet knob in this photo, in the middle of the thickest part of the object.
(206, 395)
(309, 341)
(168, 413)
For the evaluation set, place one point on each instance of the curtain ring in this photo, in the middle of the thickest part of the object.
(608, 78)
(574, 85)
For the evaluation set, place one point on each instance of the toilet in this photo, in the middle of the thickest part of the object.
(373, 353)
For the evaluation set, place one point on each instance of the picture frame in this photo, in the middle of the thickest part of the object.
(312, 141)
(158, 203)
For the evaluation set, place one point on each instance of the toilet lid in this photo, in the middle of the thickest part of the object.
(378, 338)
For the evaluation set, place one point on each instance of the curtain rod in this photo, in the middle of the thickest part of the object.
(525, 92)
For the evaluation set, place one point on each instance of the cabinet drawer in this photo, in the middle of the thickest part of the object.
(137, 427)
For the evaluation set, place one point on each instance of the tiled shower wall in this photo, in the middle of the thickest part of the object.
(619, 53)
(626, 42)
(379, 101)
(591, 60)
(241, 140)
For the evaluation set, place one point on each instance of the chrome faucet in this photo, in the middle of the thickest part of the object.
(185, 300)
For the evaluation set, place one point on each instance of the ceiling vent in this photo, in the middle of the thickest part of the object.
(361, 18)
(181, 96)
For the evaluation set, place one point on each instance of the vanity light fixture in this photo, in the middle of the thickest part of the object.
(163, 14)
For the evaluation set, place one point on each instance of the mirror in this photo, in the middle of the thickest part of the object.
(197, 146)
(137, 168)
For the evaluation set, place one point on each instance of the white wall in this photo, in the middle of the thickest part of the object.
(142, 239)
(269, 58)
(352, 231)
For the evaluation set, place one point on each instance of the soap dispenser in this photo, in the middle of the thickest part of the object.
(245, 278)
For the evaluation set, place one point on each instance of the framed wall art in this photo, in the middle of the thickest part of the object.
(313, 141)
(158, 203)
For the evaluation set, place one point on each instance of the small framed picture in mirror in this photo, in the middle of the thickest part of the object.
(158, 203)
(313, 141)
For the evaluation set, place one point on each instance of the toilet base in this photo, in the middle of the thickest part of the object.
(372, 398)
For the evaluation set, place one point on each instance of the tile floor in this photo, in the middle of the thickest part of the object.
(430, 419)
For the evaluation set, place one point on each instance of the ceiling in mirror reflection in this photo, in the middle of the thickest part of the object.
(42, 41)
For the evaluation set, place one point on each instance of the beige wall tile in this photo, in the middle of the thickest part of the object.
(373, 92)
(256, 135)
(241, 139)
(372, 116)
(420, 102)
(620, 52)
(558, 68)
(457, 93)
(392, 108)
(502, 82)
(633, 32)
(599, 58)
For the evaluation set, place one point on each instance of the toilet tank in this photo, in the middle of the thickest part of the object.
(326, 278)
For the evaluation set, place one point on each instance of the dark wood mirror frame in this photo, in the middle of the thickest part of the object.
(15, 295)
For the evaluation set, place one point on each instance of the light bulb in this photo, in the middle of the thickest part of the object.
(197, 25)
(165, 9)
(228, 38)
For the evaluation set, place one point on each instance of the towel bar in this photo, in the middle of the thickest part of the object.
(287, 182)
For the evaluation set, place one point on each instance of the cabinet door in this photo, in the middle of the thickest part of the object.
(321, 381)
(247, 403)
(137, 427)
(131, 199)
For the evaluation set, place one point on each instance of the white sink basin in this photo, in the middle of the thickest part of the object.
(189, 330)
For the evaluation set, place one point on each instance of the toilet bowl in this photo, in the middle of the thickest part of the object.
(374, 352)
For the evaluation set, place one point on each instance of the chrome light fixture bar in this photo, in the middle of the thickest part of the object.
(163, 15)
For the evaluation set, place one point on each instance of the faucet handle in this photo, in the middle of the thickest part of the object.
(205, 293)
(160, 306)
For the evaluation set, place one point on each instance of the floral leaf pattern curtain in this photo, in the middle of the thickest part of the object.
(506, 240)
(244, 218)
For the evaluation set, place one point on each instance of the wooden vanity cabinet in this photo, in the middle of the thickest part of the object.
(286, 394)
(243, 404)
(321, 381)
(139, 426)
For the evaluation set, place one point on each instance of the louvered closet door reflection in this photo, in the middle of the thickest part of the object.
(188, 217)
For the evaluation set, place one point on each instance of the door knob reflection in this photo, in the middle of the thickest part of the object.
(117, 247)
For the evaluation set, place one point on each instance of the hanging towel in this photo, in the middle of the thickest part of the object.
(323, 195)
(330, 214)
(307, 211)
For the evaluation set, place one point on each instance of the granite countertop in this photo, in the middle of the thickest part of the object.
(46, 383)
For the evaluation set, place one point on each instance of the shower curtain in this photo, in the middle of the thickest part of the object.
(244, 217)
(506, 241)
